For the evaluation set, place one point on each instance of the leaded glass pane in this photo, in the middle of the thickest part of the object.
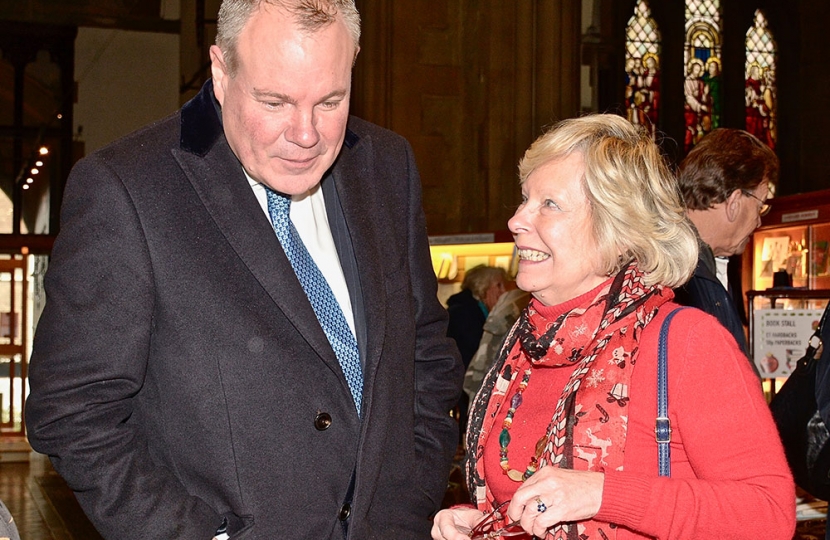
(706, 9)
(642, 69)
(702, 87)
(760, 94)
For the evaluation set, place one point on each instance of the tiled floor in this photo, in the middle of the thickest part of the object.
(35, 516)
(42, 505)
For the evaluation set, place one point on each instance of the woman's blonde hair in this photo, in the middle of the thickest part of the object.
(636, 208)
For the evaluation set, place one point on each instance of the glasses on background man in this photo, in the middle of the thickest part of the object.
(765, 206)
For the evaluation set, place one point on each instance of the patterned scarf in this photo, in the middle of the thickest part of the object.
(589, 422)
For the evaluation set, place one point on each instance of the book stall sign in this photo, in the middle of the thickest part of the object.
(780, 338)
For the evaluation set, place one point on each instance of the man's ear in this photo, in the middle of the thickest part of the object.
(219, 72)
(733, 204)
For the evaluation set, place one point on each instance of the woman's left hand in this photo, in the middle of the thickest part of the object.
(555, 495)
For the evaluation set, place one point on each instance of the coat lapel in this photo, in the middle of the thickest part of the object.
(358, 200)
(221, 185)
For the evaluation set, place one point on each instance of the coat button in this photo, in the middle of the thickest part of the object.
(345, 512)
(322, 421)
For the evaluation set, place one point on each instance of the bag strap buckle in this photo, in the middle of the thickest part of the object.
(662, 430)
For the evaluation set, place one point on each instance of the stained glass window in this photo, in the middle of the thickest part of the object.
(642, 69)
(760, 91)
(702, 58)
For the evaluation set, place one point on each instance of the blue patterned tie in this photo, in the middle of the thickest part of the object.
(319, 293)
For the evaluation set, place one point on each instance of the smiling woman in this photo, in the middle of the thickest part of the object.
(563, 427)
(558, 254)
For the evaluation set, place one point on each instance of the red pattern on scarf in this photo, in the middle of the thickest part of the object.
(599, 339)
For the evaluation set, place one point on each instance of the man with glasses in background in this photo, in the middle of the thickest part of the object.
(726, 181)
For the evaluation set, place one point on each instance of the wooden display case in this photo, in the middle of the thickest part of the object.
(793, 237)
(452, 255)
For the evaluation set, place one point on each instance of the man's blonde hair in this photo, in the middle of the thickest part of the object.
(310, 15)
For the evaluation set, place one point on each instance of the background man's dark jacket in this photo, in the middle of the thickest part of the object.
(705, 291)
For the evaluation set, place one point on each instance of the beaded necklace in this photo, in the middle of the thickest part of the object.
(504, 437)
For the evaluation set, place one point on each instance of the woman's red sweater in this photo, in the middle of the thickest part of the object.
(729, 476)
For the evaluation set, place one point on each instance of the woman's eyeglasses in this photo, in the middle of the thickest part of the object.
(490, 526)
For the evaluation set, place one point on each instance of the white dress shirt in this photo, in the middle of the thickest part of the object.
(308, 213)
(721, 264)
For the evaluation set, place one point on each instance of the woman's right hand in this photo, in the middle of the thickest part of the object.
(455, 523)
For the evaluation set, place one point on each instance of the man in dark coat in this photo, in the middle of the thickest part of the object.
(725, 181)
(181, 380)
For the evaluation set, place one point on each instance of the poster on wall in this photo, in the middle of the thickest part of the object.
(774, 255)
(780, 338)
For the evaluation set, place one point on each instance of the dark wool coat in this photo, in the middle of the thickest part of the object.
(705, 291)
(466, 325)
(179, 375)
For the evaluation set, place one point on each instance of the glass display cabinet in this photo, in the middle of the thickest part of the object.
(793, 238)
(786, 266)
(453, 255)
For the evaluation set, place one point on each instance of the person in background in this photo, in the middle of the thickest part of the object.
(468, 309)
(725, 181)
(500, 319)
(562, 433)
(242, 336)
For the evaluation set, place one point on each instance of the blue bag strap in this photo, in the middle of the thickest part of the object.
(662, 427)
